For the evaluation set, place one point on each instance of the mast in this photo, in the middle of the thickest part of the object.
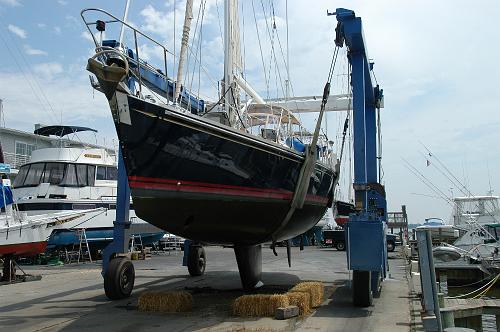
(124, 20)
(228, 57)
(188, 16)
(231, 58)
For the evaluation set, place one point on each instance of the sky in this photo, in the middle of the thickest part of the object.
(437, 62)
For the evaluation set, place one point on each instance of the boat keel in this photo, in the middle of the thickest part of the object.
(249, 259)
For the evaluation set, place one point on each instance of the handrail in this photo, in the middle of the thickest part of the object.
(141, 64)
(116, 21)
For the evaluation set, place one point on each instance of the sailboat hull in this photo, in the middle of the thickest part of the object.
(210, 183)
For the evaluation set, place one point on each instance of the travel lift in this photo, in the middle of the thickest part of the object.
(366, 229)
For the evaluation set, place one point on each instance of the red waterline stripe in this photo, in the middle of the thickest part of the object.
(204, 184)
(190, 188)
(179, 186)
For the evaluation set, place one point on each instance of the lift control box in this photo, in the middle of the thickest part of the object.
(366, 230)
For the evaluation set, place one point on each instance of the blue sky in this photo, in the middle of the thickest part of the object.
(437, 63)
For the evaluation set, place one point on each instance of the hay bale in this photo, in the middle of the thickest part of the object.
(259, 305)
(166, 301)
(315, 289)
(301, 300)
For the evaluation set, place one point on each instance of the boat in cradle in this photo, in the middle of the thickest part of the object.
(229, 172)
(69, 178)
(22, 235)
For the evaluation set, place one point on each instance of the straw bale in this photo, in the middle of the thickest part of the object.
(315, 289)
(180, 301)
(259, 305)
(301, 300)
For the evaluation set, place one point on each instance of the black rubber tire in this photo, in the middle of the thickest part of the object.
(362, 295)
(196, 261)
(340, 246)
(119, 278)
(391, 246)
(377, 290)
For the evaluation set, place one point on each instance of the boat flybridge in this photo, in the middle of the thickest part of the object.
(481, 209)
(70, 178)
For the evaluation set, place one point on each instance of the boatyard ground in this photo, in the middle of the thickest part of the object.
(71, 297)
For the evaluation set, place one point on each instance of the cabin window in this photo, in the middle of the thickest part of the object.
(91, 175)
(111, 173)
(69, 179)
(101, 173)
(34, 175)
(81, 175)
(54, 173)
(21, 176)
(107, 173)
(61, 174)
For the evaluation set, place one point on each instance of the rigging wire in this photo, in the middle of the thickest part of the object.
(32, 80)
(463, 189)
(427, 182)
(273, 52)
(260, 47)
(219, 20)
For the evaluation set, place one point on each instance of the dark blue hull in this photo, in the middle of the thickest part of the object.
(210, 183)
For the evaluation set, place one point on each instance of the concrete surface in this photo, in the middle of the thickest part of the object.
(71, 297)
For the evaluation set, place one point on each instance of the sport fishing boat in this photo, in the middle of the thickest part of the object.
(228, 172)
(481, 209)
(69, 178)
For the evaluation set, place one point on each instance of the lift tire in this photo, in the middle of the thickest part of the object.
(196, 261)
(377, 288)
(391, 246)
(362, 295)
(119, 278)
(340, 246)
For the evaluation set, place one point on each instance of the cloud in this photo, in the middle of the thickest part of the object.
(62, 2)
(57, 30)
(12, 3)
(33, 51)
(17, 31)
(48, 70)
(69, 97)
(73, 21)
(41, 25)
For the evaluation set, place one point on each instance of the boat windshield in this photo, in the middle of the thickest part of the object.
(60, 174)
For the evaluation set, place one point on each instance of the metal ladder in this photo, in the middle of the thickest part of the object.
(83, 246)
(132, 242)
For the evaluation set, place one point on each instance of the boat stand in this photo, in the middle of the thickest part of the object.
(9, 275)
(117, 269)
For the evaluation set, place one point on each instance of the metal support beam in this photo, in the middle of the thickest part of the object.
(121, 228)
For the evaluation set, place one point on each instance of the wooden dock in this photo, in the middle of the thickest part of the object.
(468, 312)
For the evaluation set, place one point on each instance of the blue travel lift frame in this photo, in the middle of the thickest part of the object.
(366, 229)
(117, 269)
(121, 225)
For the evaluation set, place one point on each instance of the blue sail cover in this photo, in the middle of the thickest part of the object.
(8, 196)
